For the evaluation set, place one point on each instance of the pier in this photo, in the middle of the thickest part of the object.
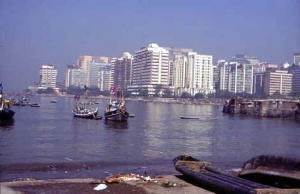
(272, 108)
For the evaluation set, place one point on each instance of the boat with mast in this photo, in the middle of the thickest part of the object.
(116, 108)
(6, 114)
(85, 109)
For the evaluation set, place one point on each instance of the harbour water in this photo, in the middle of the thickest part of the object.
(47, 142)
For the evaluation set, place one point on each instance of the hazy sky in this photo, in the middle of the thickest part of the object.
(35, 32)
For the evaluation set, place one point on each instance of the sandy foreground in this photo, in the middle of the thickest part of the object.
(166, 184)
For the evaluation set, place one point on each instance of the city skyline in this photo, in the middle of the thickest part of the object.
(58, 32)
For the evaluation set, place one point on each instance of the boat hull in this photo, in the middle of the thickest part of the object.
(6, 114)
(203, 174)
(91, 115)
(277, 171)
(116, 115)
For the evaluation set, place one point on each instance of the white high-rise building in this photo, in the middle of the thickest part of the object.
(200, 73)
(297, 59)
(48, 75)
(122, 71)
(75, 76)
(180, 69)
(84, 62)
(99, 75)
(150, 68)
(278, 81)
(236, 77)
(295, 71)
(193, 73)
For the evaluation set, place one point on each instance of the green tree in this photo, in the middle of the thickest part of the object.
(199, 96)
(186, 95)
(158, 89)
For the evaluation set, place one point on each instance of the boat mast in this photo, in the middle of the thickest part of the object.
(1, 96)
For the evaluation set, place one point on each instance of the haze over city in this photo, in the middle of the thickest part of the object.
(58, 32)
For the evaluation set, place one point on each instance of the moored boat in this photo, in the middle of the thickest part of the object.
(116, 109)
(277, 171)
(82, 112)
(283, 173)
(85, 109)
(6, 113)
(203, 174)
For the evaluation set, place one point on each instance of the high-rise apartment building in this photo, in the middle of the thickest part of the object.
(174, 56)
(258, 84)
(85, 60)
(236, 77)
(295, 70)
(150, 68)
(48, 75)
(180, 72)
(90, 66)
(240, 78)
(278, 81)
(90, 71)
(193, 73)
(216, 77)
(104, 76)
(297, 59)
(200, 73)
(236, 74)
(75, 76)
(122, 71)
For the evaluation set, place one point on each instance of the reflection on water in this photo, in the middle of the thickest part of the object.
(7, 124)
(154, 136)
(115, 125)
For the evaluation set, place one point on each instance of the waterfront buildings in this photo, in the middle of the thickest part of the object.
(90, 71)
(155, 70)
(48, 76)
(277, 82)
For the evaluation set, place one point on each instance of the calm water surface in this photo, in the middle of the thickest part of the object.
(47, 142)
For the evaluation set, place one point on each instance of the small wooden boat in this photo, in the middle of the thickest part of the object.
(6, 113)
(203, 174)
(34, 105)
(131, 115)
(86, 113)
(182, 117)
(277, 171)
(116, 109)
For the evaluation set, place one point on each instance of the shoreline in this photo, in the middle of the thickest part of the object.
(163, 184)
(190, 101)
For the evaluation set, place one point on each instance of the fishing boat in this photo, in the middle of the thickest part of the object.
(116, 109)
(6, 113)
(272, 170)
(85, 109)
(81, 111)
